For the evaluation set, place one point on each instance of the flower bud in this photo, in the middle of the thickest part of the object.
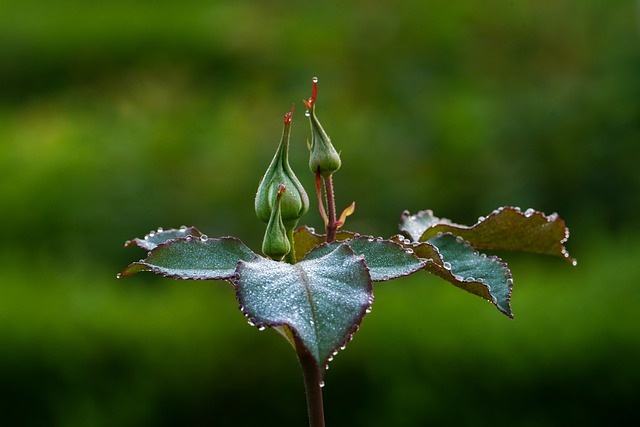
(276, 243)
(294, 202)
(323, 156)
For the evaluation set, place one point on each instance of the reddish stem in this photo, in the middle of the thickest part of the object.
(332, 226)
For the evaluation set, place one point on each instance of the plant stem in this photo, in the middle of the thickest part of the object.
(312, 381)
(331, 208)
(291, 256)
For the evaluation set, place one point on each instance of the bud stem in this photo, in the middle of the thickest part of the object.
(291, 256)
(331, 226)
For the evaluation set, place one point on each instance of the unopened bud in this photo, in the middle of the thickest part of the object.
(294, 202)
(276, 243)
(323, 156)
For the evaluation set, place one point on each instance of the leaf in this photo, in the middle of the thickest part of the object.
(194, 258)
(154, 238)
(454, 260)
(322, 300)
(506, 228)
(386, 259)
(306, 238)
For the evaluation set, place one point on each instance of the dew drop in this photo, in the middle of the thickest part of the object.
(447, 265)
(574, 262)
(409, 251)
(459, 239)
(311, 322)
(183, 227)
(343, 347)
(261, 328)
(307, 113)
(189, 237)
(370, 239)
(251, 323)
(204, 238)
(315, 80)
(529, 212)
(321, 384)
(481, 218)
(160, 229)
(415, 244)
(330, 359)
(368, 310)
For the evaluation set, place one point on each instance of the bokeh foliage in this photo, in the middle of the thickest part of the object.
(118, 117)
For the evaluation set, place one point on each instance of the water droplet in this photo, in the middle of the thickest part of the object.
(183, 227)
(447, 265)
(459, 239)
(343, 347)
(368, 310)
(204, 238)
(409, 251)
(574, 262)
(321, 383)
(251, 323)
(311, 322)
(330, 359)
(160, 229)
(189, 237)
(315, 80)
(261, 328)
(481, 218)
(312, 230)
(118, 276)
(529, 212)
(415, 244)
(370, 239)
(307, 113)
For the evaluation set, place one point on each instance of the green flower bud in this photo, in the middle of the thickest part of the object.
(323, 156)
(294, 202)
(276, 243)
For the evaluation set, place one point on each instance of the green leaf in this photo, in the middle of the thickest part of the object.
(322, 300)
(386, 259)
(454, 260)
(154, 238)
(482, 275)
(506, 228)
(194, 258)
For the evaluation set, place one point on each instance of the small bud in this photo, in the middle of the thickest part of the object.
(276, 244)
(323, 156)
(295, 201)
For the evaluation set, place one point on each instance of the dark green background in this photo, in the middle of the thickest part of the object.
(119, 116)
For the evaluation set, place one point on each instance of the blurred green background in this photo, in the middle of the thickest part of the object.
(117, 117)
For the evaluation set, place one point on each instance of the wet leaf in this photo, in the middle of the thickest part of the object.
(482, 275)
(322, 299)
(194, 258)
(505, 228)
(154, 238)
(386, 259)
